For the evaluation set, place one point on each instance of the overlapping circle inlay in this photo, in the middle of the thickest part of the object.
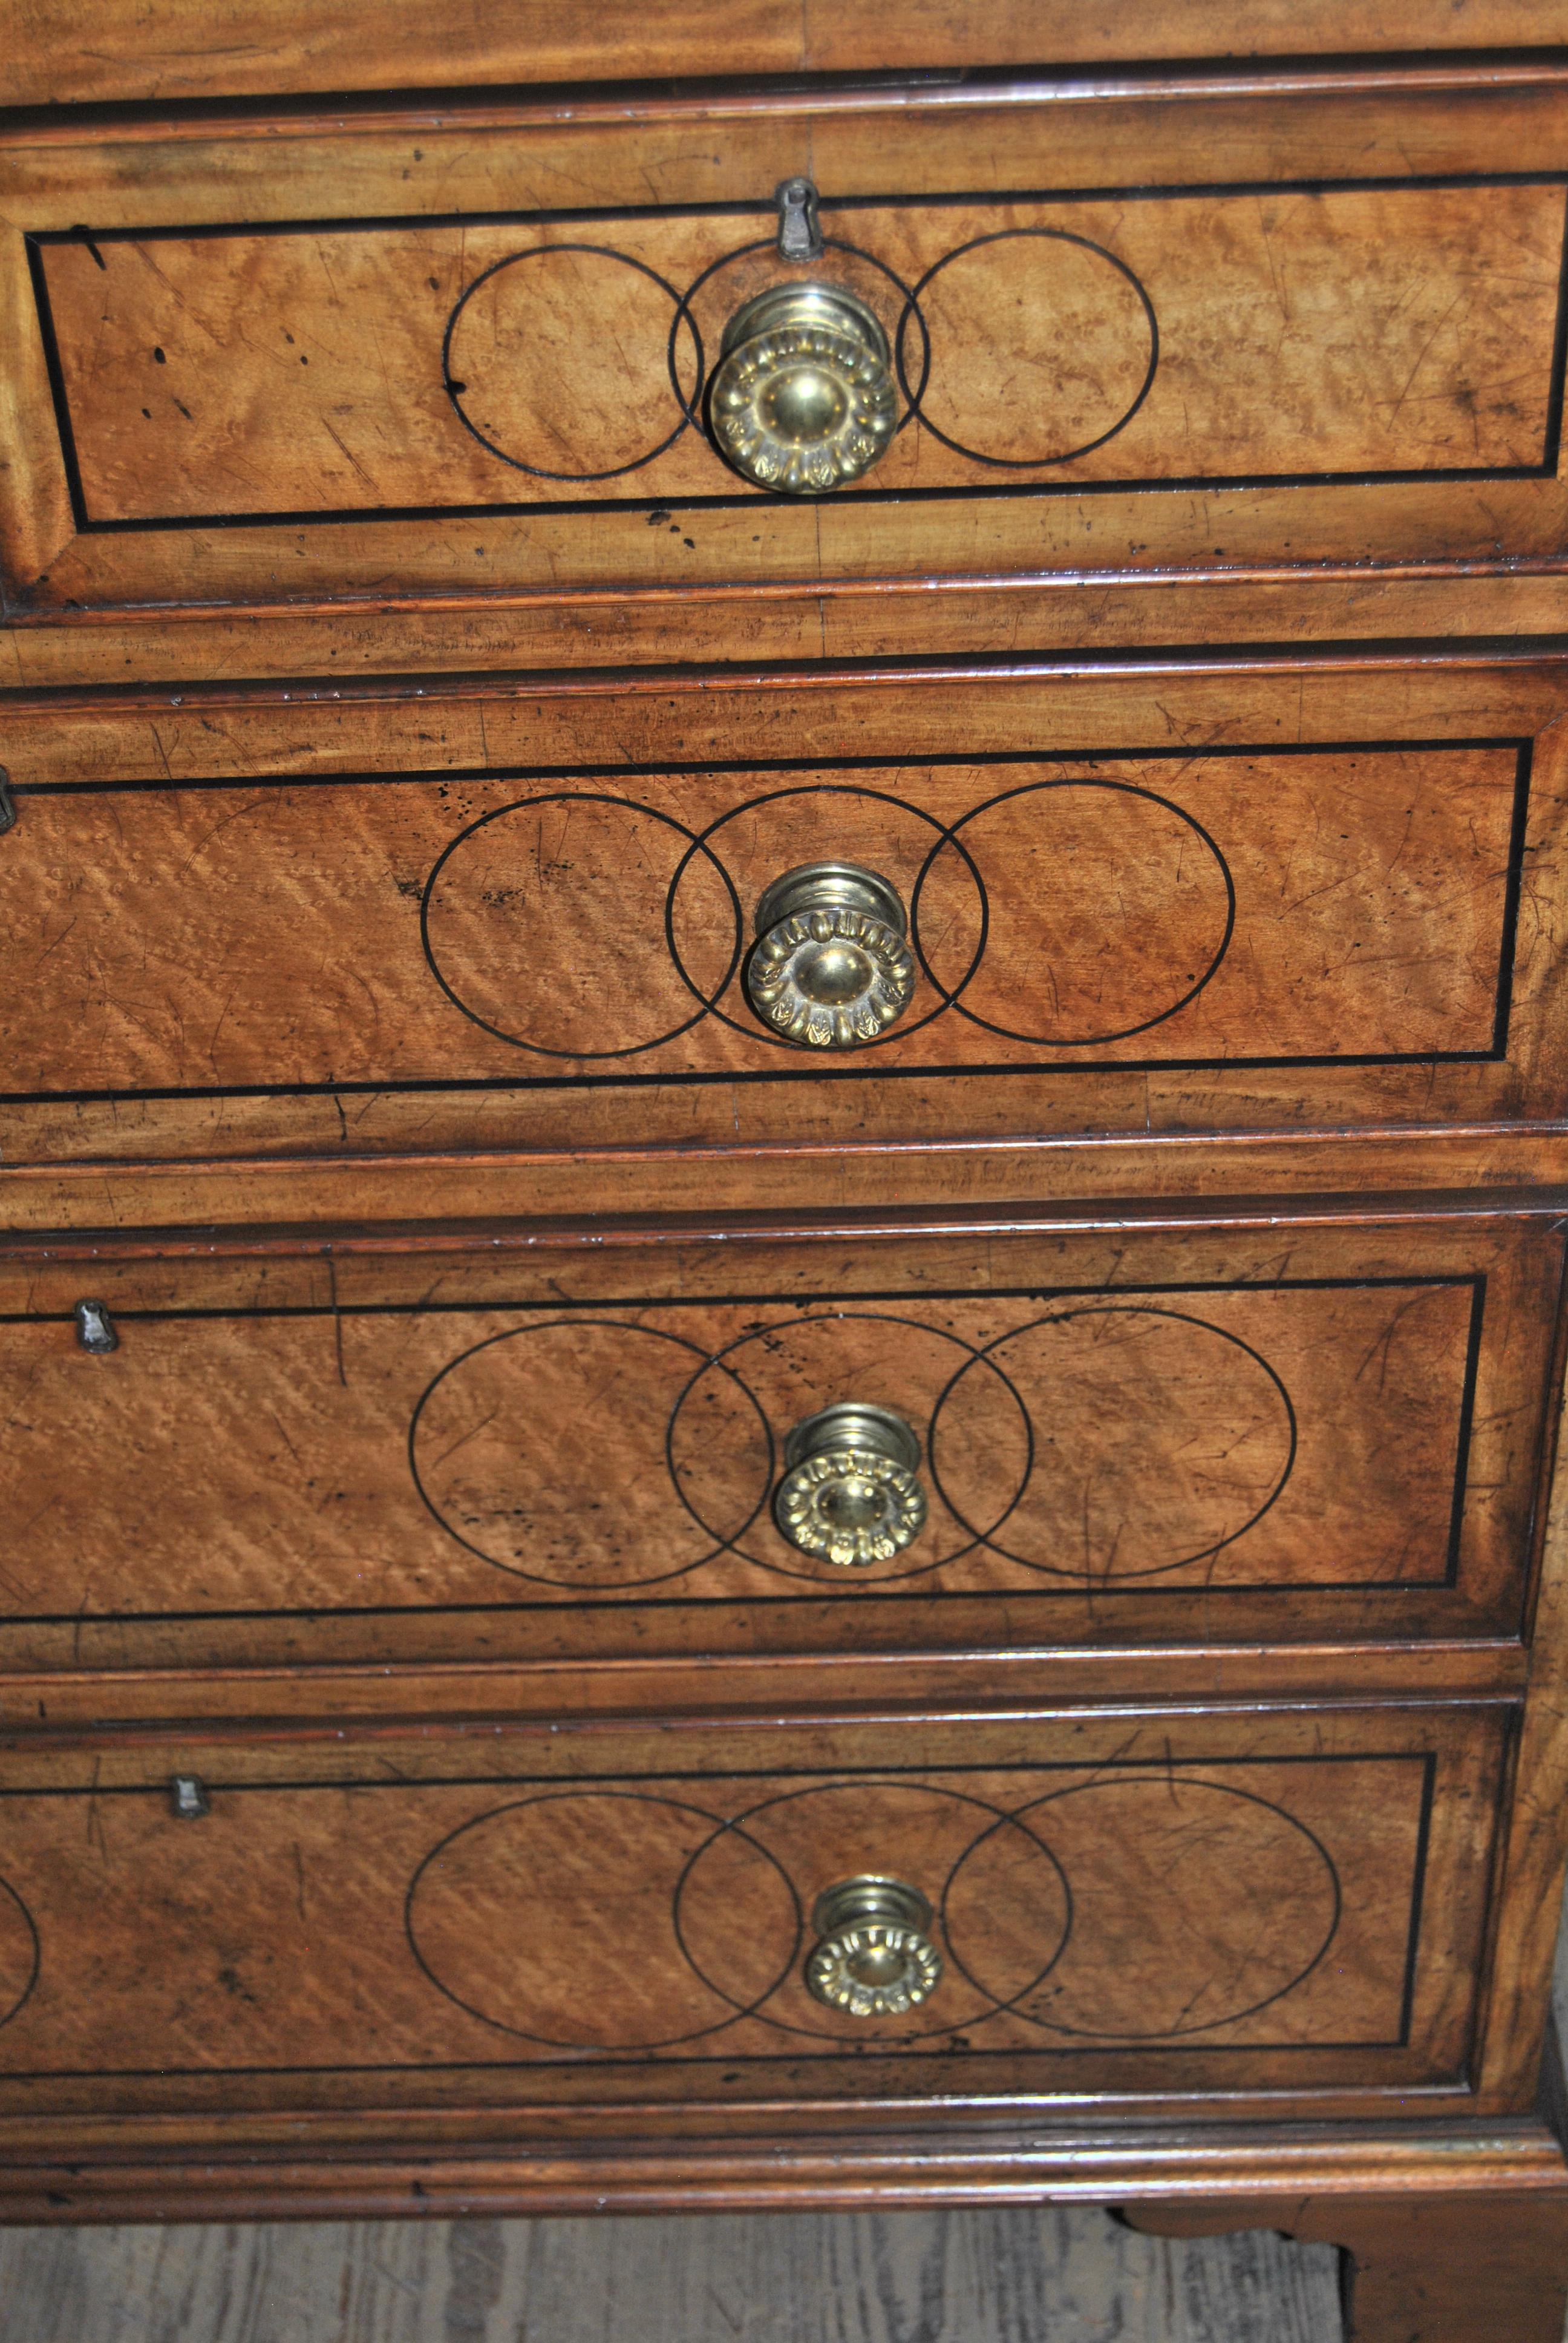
(1132, 1906)
(555, 1918)
(511, 361)
(19, 1952)
(509, 1447)
(1020, 349)
(1170, 1439)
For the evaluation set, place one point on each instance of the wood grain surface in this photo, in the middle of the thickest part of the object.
(178, 50)
(1218, 1438)
(1354, 371)
(240, 927)
(1355, 904)
(509, 364)
(1253, 1902)
(1011, 2276)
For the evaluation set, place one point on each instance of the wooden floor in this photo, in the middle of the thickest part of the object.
(986, 2276)
(989, 2277)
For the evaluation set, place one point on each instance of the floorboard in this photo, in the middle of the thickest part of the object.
(1012, 2276)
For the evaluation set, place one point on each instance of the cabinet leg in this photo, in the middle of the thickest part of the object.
(1489, 2267)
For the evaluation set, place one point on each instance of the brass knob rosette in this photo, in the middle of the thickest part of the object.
(802, 397)
(830, 967)
(850, 1494)
(875, 1958)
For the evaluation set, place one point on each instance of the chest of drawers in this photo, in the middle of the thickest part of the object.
(783, 1141)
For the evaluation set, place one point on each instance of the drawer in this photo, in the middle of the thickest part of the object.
(1141, 1905)
(1265, 894)
(1296, 1430)
(1212, 319)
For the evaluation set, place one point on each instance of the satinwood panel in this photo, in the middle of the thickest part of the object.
(1237, 1901)
(1340, 1439)
(177, 49)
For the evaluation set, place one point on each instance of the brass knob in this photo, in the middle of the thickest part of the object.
(830, 967)
(850, 1492)
(802, 397)
(875, 1958)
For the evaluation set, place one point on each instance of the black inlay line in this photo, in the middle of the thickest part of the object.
(56, 373)
(529, 1083)
(1098, 1290)
(1559, 360)
(1466, 1428)
(443, 775)
(885, 1592)
(1197, 1766)
(960, 492)
(623, 2062)
(1027, 1767)
(1417, 1899)
(759, 500)
(1513, 885)
(368, 223)
(884, 1595)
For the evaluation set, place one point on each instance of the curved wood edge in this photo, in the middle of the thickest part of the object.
(1478, 2255)
(1337, 2182)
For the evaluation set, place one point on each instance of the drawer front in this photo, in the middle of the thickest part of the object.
(1277, 1435)
(1250, 897)
(472, 341)
(1134, 1906)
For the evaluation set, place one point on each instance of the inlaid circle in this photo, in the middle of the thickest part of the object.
(18, 1952)
(544, 1451)
(558, 360)
(792, 1369)
(1193, 1905)
(556, 1918)
(545, 923)
(1042, 346)
(1109, 908)
(835, 1831)
(1158, 1439)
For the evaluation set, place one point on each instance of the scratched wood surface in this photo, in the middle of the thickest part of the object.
(1012, 2276)
(1125, 910)
(338, 893)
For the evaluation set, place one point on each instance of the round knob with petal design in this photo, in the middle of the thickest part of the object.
(802, 397)
(875, 1958)
(830, 967)
(849, 1493)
